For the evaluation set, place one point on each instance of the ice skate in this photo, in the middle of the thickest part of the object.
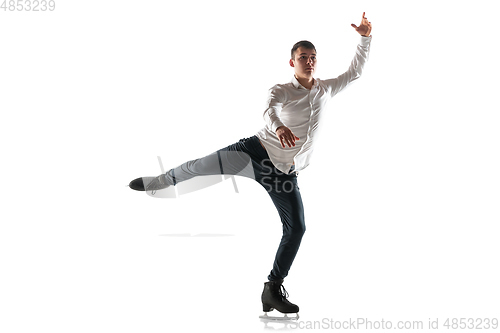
(275, 296)
(152, 184)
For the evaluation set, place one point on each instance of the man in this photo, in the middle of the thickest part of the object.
(276, 153)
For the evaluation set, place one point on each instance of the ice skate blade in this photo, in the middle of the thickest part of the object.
(278, 318)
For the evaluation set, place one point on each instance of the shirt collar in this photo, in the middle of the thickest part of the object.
(297, 85)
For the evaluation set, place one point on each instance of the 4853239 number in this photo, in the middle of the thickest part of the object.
(28, 5)
(471, 323)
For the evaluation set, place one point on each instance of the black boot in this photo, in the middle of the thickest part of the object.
(138, 184)
(275, 296)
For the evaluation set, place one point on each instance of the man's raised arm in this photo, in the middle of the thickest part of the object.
(356, 68)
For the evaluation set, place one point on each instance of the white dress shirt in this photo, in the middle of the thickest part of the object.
(300, 109)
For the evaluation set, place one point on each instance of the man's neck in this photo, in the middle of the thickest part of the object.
(306, 82)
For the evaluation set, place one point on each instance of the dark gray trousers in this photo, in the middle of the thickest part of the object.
(249, 159)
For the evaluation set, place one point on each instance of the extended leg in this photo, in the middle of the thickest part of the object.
(222, 162)
(236, 159)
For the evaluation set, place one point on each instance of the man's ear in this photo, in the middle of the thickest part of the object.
(291, 63)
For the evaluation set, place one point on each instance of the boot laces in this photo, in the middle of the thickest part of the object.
(283, 292)
(156, 183)
(150, 185)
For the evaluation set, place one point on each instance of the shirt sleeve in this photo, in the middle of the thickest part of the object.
(355, 69)
(273, 109)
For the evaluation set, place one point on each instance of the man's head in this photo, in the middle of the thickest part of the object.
(303, 58)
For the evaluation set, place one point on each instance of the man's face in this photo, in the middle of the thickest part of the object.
(304, 62)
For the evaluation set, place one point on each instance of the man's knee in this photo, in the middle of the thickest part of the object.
(296, 232)
(301, 230)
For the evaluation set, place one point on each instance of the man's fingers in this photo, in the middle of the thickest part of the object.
(289, 141)
(282, 142)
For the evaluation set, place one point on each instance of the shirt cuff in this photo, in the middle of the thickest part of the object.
(275, 125)
(365, 41)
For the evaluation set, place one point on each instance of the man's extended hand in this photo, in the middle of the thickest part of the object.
(285, 135)
(365, 28)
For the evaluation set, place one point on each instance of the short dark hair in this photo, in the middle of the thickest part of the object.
(303, 43)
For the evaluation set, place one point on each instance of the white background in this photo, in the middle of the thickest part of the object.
(401, 198)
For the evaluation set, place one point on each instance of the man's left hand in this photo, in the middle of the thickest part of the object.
(365, 28)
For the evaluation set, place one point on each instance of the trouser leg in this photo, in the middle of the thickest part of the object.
(285, 194)
(236, 159)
